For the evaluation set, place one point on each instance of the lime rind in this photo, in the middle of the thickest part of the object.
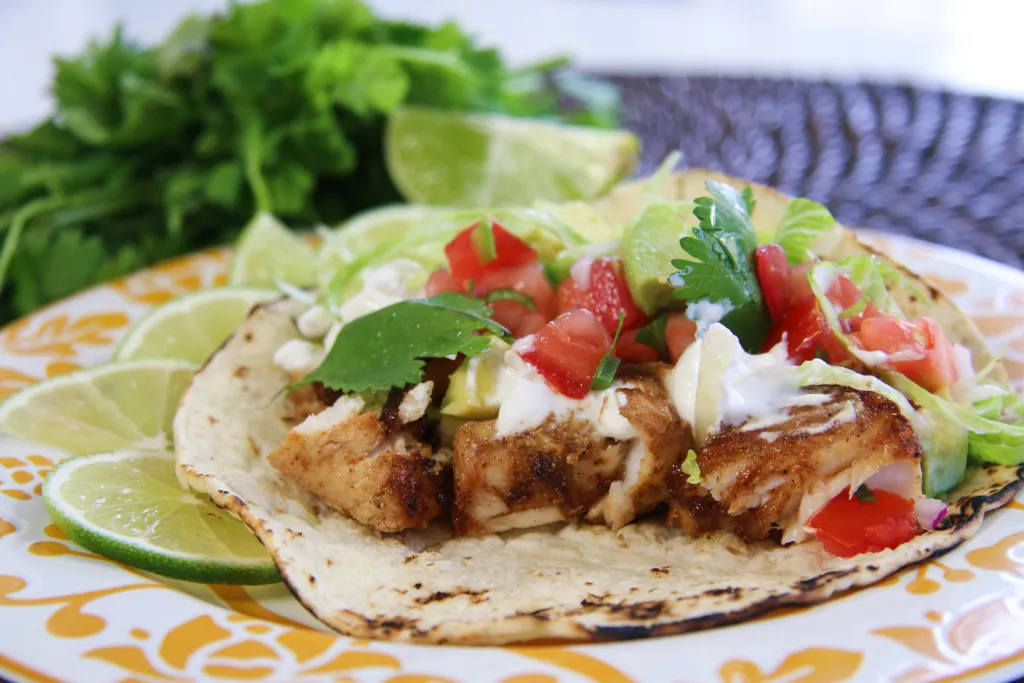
(225, 549)
(190, 327)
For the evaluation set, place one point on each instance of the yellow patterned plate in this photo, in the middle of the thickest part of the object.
(69, 615)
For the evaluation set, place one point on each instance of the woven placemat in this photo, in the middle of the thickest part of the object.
(943, 167)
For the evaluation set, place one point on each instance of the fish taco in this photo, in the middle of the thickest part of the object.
(678, 407)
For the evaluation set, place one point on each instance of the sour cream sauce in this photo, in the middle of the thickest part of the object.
(527, 402)
(716, 383)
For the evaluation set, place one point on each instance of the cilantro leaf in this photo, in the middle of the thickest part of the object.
(802, 223)
(692, 468)
(609, 364)
(722, 246)
(509, 294)
(386, 348)
(864, 494)
(653, 334)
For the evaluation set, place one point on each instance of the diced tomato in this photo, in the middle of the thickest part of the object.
(680, 332)
(843, 293)
(528, 279)
(805, 329)
(632, 351)
(517, 318)
(773, 273)
(849, 526)
(467, 262)
(919, 350)
(800, 288)
(568, 351)
(606, 296)
(441, 281)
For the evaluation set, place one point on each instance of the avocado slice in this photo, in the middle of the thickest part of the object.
(472, 389)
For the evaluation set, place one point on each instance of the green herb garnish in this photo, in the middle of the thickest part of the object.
(609, 364)
(509, 294)
(864, 494)
(691, 468)
(653, 334)
(483, 241)
(723, 246)
(387, 348)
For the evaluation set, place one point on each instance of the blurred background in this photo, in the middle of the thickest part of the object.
(967, 47)
(899, 116)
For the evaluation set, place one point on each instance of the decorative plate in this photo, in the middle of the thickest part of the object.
(70, 615)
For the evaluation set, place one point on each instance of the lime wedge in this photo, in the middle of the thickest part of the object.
(191, 327)
(647, 250)
(366, 235)
(440, 157)
(122, 405)
(129, 506)
(267, 251)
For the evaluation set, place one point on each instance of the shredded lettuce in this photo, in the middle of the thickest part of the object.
(802, 224)
(990, 441)
(872, 277)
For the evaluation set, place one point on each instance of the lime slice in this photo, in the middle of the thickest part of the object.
(366, 235)
(440, 157)
(191, 327)
(122, 405)
(267, 251)
(647, 250)
(129, 506)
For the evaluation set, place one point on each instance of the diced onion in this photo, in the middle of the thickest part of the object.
(901, 477)
(929, 512)
(580, 272)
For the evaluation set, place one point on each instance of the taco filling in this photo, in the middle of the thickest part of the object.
(676, 407)
(745, 392)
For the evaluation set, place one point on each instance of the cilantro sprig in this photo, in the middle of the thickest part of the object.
(609, 364)
(653, 335)
(277, 105)
(509, 294)
(721, 265)
(387, 348)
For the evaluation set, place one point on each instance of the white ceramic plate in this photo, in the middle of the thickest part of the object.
(69, 615)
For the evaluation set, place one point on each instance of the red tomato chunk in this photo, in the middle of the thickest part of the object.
(568, 351)
(849, 526)
(606, 296)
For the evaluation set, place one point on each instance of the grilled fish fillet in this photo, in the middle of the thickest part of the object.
(566, 471)
(372, 466)
(661, 442)
(776, 474)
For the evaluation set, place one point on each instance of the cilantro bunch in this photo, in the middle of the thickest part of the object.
(273, 106)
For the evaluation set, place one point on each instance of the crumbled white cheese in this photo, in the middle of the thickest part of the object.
(298, 357)
(343, 410)
(315, 322)
(385, 285)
